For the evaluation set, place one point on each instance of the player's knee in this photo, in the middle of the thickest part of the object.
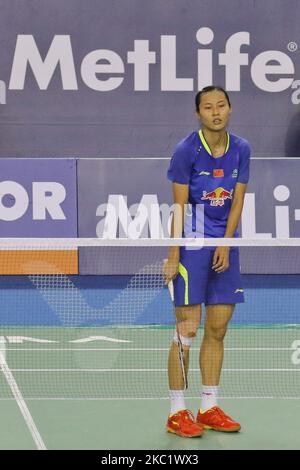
(186, 341)
(187, 331)
(188, 328)
(216, 333)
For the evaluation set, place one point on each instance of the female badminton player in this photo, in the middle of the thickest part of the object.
(209, 171)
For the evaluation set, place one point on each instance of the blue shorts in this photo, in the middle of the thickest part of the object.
(197, 282)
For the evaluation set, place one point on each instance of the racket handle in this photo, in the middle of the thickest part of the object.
(171, 290)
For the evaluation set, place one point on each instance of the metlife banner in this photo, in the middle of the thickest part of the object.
(118, 78)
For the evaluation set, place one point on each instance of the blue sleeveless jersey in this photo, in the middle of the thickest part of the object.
(211, 181)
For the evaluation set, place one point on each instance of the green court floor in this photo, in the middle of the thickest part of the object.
(106, 388)
(79, 424)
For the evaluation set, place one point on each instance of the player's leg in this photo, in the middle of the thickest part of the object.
(189, 293)
(224, 290)
(211, 416)
(181, 421)
(188, 320)
(212, 348)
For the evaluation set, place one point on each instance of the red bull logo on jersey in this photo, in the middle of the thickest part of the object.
(217, 196)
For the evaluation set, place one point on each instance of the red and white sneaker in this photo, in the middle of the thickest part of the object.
(216, 419)
(183, 424)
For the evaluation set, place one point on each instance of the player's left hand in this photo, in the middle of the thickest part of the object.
(221, 259)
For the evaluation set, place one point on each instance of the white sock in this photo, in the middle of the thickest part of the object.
(209, 396)
(177, 401)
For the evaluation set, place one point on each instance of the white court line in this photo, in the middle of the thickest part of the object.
(148, 370)
(147, 398)
(2, 349)
(19, 398)
(142, 349)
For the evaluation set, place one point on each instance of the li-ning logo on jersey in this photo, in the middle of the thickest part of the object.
(238, 290)
(202, 173)
(217, 196)
(235, 173)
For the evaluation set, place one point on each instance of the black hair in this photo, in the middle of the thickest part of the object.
(206, 90)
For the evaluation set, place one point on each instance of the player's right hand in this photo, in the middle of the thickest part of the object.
(170, 269)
